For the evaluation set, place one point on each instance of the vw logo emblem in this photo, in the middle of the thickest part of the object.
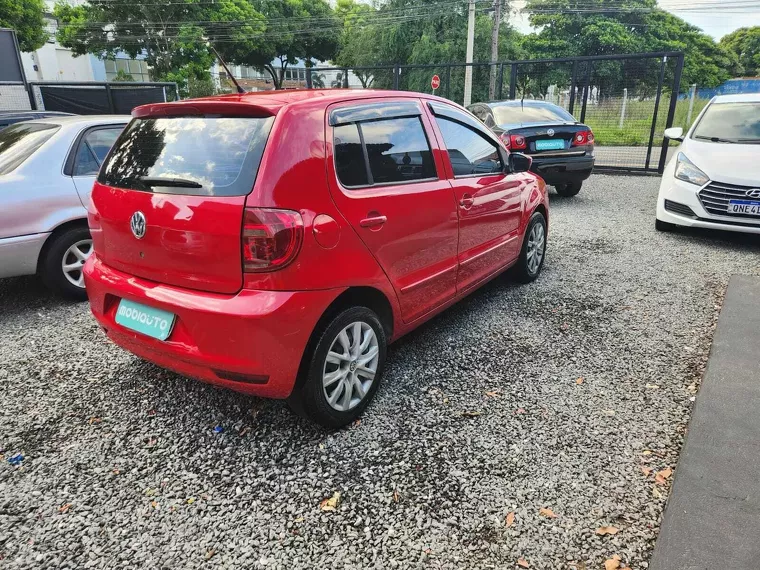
(754, 193)
(550, 132)
(137, 224)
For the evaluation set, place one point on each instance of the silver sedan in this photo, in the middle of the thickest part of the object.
(47, 169)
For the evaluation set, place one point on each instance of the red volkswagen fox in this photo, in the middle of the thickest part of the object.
(275, 243)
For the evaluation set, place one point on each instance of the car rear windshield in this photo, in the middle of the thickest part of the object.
(19, 142)
(208, 156)
(530, 113)
(730, 122)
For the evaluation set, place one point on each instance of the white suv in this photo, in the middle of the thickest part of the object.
(47, 169)
(713, 181)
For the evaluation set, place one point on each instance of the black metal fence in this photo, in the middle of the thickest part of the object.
(94, 98)
(627, 100)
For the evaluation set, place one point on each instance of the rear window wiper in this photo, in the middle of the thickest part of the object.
(169, 182)
(714, 139)
(749, 141)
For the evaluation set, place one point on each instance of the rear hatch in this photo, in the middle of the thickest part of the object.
(169, 200)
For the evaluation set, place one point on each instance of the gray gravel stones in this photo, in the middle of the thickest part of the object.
(123, 469)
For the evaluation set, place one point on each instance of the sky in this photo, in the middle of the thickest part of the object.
(713, 22)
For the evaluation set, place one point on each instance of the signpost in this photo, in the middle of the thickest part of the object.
(435, 83)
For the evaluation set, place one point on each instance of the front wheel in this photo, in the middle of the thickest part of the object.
(569, 190)
(343, 371)
(533, 251)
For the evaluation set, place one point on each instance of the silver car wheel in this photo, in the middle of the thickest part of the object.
(73, 261)
(350, 366)
(536, 245)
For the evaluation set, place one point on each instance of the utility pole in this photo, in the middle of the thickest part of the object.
(494, 48)
(468, 58)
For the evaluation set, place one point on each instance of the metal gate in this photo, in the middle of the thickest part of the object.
(627, 100)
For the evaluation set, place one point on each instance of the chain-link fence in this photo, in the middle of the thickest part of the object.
(93, 98)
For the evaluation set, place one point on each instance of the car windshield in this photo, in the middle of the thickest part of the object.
(19, 142)
(215, 156)
(731, 123)
(530, 113)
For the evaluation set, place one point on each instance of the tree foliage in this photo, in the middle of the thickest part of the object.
(601, 27)
(745, 44)
(25, 16)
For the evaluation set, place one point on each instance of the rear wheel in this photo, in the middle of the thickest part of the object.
(62, 262)
(343, 371)
(661, 226)
(568, 190)
(533, 251)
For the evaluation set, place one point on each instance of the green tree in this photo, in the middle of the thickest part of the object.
(601, 27)
(25, 16)
(296, 29)
(173, 36)
(745, 44)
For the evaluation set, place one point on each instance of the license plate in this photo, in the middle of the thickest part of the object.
(554, 144)
(145, 320)
(746, 207)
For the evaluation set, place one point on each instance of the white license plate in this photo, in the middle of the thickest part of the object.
(745, 207)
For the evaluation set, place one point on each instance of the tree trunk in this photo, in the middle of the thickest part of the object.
(494, 48)
(273, 73)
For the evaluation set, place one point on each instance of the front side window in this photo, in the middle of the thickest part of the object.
(387, 151)
(730, 122)
(19, 142)
(470, 152)
(212, 156)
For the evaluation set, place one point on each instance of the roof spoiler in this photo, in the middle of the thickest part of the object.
(235, 106)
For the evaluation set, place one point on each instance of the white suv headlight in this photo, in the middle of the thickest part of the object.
(686, 171)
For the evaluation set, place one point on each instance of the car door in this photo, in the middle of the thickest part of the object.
(489, 199)
(386, 176)
(87, 154)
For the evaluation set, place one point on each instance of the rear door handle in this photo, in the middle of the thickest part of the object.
(373, 221)
(467, 201)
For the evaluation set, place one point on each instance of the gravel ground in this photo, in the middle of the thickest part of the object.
(482, 413)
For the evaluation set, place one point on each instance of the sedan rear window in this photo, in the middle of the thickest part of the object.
(210, 156)
(19, 142)
(530, 113)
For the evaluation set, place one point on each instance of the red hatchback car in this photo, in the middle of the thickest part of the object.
(275, 243)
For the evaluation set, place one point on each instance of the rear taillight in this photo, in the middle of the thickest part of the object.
(583, 138)
(271, 238)
(514, 142)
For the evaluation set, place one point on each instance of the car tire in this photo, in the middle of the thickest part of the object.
(70, 248)
(321, 394)
(569, 190)
(534, 243)
(661, 226)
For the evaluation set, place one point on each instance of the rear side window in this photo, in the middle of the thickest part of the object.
(469, 151)
(93, 149)
(19, 142)
(387, 151)
(210, 156)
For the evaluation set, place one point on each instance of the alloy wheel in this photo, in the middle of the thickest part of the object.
(351, 366)
(536, 245)
(73, 262)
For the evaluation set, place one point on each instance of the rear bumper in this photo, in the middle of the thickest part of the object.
(562, 170)
(251, 342)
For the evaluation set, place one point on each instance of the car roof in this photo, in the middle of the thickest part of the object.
(743, 98)
(83, 120)
(271, 102)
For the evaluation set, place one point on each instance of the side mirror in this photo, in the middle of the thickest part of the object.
(518, 162)
(674, 133)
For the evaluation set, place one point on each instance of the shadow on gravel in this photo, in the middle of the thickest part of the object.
(21, 294)
(724, 240)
